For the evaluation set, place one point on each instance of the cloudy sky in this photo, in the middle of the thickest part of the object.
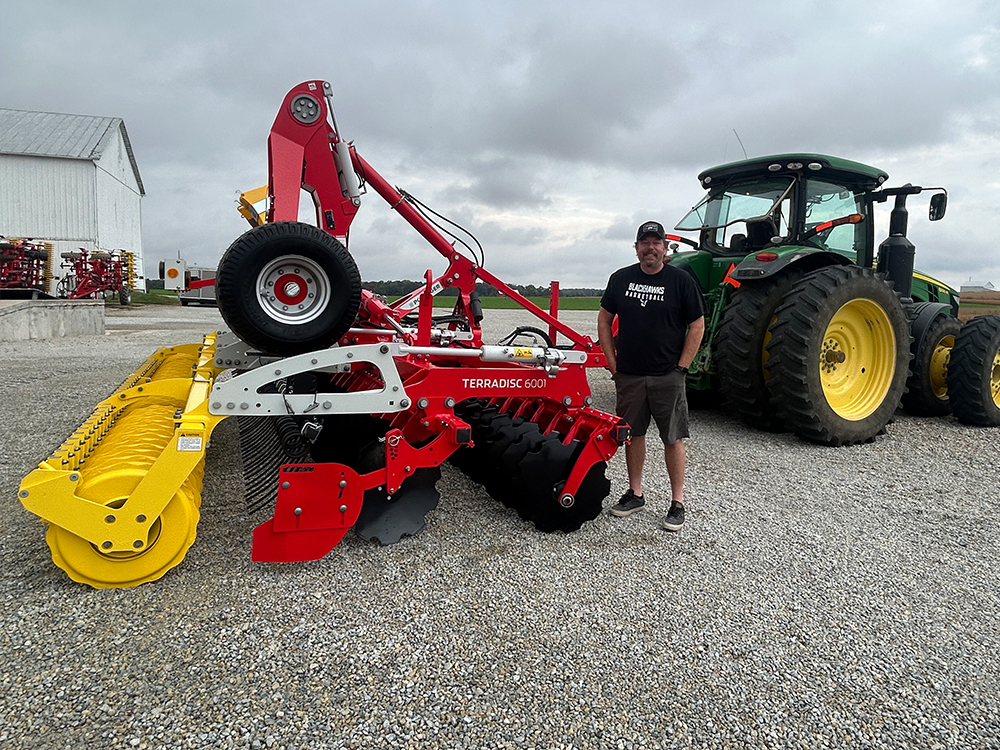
(549, 129)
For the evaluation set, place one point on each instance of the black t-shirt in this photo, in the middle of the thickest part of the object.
(654, 312)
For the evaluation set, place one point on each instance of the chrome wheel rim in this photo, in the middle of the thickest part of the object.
(293, 289)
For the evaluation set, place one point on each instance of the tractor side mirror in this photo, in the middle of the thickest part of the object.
(939, 203)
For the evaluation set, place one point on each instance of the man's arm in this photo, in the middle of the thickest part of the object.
(696, 330)
(606, 339)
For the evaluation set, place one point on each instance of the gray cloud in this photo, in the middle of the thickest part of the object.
(536, 120)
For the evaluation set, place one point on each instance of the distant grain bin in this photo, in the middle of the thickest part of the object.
(71, 180)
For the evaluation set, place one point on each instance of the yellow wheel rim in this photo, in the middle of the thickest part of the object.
(169, 539)
(995, 379)
(857, 359)
(939, 366)
(764, 354)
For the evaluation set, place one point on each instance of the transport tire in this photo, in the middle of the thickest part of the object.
(741, 349)
(287, 288)
(839, 356)
(125, 296)
(974, 372)
(927, 386)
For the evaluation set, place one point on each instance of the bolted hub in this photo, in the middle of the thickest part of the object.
(832, 355)
(305, 109)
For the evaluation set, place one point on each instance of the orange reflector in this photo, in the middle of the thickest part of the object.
(766, 257)
(173, 273)
(729, 277)
(850, 219)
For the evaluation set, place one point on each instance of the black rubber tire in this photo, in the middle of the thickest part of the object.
(263, 248)
(740, 356)
(185, 303)
(124, 296)
(7, 258)
(974, 372)
(798, 338)
(926, 395)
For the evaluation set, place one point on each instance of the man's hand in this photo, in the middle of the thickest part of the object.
(606, 339)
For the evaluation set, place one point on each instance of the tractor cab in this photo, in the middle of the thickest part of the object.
(808, 201)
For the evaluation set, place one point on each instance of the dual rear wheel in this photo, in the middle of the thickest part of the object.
(828, 356)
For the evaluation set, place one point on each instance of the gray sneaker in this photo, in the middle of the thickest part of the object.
(674, 520)
(628, 505)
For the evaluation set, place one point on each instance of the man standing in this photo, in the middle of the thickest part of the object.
(661, 320)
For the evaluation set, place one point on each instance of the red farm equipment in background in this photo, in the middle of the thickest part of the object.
(96, 273)
(24, 266)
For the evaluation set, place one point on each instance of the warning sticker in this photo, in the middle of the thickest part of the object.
(523, 353)
(187, 444)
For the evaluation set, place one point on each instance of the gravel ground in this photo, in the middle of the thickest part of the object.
(817, 597)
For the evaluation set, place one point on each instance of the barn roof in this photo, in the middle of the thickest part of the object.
(62, 136)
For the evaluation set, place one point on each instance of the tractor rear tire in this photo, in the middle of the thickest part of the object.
(741, 354)
(288, 288)
(927, 387)
(839, 355)
(974, 372)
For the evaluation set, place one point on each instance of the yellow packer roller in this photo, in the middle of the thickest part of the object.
(121, 494)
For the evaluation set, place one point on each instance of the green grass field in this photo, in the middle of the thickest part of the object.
(505, 303)
(153, 297)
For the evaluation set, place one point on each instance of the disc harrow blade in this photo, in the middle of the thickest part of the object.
(389, 518)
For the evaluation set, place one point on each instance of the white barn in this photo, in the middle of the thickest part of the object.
(71, 180)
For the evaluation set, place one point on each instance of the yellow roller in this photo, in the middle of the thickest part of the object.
(121, 494)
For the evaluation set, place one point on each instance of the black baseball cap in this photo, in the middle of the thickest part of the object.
(650, 227)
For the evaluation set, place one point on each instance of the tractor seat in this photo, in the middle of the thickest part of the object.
(759, 234)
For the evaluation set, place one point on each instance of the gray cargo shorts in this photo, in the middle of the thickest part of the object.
(662, 397)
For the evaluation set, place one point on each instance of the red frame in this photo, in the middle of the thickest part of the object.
(303, 156)
(96, 275)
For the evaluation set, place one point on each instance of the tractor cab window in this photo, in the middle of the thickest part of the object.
(740, 217)
(826, 201)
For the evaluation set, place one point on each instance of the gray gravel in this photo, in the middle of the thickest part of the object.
(817, 597)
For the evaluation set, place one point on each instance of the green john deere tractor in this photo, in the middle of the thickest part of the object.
(810, 326)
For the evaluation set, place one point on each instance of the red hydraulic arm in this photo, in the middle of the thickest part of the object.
(306, 152)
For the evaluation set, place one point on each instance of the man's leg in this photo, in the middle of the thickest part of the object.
(634, 408)
(674, 456)
(635, 458)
